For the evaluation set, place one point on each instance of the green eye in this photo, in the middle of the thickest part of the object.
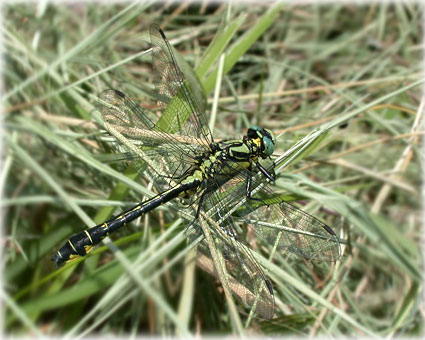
(267, 137)
(272, 136)
(268, 146)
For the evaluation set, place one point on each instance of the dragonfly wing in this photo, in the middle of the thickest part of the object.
(275, 221)
(169, 140)
(284, 226)
(184, 114)
(244, 276)
(160, 154)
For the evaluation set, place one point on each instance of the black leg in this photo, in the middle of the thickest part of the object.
(270, 175)
(201, 201)
(248, 191)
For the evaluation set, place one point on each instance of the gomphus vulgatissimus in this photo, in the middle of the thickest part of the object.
(224, 182)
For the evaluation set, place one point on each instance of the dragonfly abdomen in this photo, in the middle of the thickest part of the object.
(82, 243)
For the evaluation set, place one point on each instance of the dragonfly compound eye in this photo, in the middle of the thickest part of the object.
(267, 133)
(268, 142)
(254, 132)
(268, 146)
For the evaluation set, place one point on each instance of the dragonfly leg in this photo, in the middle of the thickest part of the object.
(248, 191)
(270, 175)
(201, 201)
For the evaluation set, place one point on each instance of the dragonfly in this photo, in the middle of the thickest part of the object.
(226, 184)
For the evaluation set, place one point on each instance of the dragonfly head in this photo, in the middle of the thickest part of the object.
(266, 139)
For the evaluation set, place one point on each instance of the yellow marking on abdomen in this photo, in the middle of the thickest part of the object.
(88, 248)
(88, 235)
(122, 217)
(72, 257)
(72, 246)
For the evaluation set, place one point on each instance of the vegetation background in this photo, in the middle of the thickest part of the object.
(354, 73)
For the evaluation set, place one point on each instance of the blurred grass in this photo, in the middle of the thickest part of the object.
(340, 82)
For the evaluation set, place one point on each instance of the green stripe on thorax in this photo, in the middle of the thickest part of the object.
(243, 150)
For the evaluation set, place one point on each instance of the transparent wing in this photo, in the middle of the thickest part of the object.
(135, 136)
(284, 226)
(244, 275)
(168, 141)
(176, 92)
(280, 224)
(246, 278)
